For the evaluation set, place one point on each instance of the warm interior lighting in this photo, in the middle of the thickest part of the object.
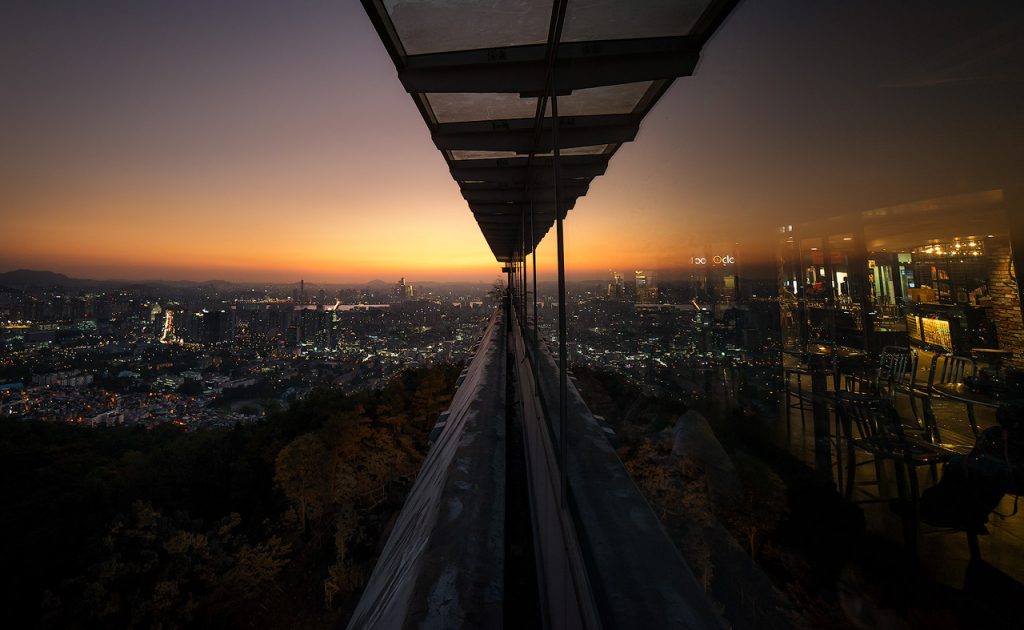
(956, 248)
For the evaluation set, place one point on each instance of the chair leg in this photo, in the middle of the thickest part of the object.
(787, 406)
(839, 455)
(915, 495)
(800, 397)
(901, 490)
(913, 409)
(851, 469)
(970, 416)
(929, 418)
(972, 545)
(882, 478)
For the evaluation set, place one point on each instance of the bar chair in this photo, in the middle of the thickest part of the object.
(872, 425)
(897, 374)
(796, 399)
(946, 369)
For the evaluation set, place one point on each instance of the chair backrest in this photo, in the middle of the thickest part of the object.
(897, 368)
(875, 419)
(950, 368)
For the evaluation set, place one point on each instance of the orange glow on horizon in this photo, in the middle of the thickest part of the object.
(277, 145)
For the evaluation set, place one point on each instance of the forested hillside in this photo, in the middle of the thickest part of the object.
(275, 524)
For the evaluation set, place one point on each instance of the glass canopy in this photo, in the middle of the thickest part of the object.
(483, 74)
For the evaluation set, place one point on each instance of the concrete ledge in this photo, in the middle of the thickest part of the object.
(443, 565)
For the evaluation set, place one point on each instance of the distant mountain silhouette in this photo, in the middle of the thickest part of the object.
(23, 278)
(34, 278)
(26, 278)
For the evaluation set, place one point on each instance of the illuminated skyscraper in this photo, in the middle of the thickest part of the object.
(646, 288)
(403, 290)
(617, 287)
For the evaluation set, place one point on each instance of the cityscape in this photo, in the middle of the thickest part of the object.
(216, 354)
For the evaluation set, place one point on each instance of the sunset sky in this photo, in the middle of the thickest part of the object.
(259, 140)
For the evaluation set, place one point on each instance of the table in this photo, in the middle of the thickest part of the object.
(962, 393)
(818, 358)
(992, 357)
(842, 352)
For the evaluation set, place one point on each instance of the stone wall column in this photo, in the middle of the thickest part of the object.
(1005, 300)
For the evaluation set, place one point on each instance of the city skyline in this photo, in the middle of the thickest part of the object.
(267, 144)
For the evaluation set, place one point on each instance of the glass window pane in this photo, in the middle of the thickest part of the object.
(463, 107)
(610, 99)
(447, 25)
(482, 155)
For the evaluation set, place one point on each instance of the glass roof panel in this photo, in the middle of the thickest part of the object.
(610, 99)
(596, 149)
(482, 155)
(587, 20)
(430, 26)
(464, 107)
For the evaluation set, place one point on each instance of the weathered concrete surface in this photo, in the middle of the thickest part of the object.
(443, 565)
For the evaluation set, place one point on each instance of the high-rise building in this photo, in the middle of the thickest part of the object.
(403, 290)
(617, 287)
(646, 287)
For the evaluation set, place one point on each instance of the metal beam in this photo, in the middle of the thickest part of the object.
(520, 195)
(519, 134)
(542, 208)
(524, 174)
(521, 69)
(535, 189)
(535, 161)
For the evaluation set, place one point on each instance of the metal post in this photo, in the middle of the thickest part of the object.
(533, 249)
(519, 284)
(511, 288)
(563, 380)
(513, 280)
(507, 302)
(522, 263)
